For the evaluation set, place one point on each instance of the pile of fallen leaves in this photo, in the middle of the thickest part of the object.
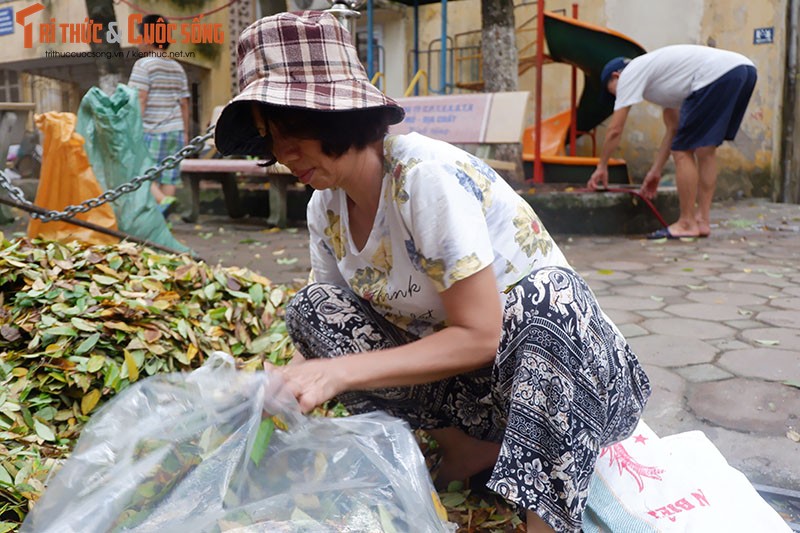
(78, 324)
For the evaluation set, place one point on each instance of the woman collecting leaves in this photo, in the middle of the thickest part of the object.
(438, 296)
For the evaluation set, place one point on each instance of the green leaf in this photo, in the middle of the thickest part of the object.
(263, 437)
(263, 342)
(43, 431)
(5, 477)
(95, 363)
(256, 293)
(87, 344)
(83, 325)
(105, 280)
(210, 291)
(455, 486)
(452, 499)
(61, 331)
(387, 522)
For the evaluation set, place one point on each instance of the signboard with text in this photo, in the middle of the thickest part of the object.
(6, 21)
(458, 118)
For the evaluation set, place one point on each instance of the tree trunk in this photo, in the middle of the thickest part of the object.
(107, 54)
(501, 70)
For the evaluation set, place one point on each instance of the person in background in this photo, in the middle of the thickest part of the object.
(164, 103)
(704, 93)
(438, 296)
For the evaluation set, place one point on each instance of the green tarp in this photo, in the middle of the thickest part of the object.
(112, 127)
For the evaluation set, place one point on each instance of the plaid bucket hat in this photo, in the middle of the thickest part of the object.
(302, 59)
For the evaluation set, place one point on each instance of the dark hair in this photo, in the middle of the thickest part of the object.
(337, 131)
(159, 41)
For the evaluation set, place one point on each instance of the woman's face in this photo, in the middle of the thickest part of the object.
(305, 159)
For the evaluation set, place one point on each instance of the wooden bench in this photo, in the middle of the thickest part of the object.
(229, 172)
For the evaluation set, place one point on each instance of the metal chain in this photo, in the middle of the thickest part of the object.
(171, 161)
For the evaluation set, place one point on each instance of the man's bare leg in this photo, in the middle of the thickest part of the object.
(462, 456)
(536, 524)
(686, 180)
(707, 168)
(168, 190)
(155, 190)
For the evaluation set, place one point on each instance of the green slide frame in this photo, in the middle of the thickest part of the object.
(587, 47)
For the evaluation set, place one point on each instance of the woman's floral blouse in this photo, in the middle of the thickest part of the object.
(443, 216)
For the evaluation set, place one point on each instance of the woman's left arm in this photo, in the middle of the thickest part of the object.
(470, 340)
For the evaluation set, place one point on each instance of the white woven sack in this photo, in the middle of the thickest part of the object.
(680, 483)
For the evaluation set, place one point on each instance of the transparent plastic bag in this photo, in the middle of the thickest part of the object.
(205, 452)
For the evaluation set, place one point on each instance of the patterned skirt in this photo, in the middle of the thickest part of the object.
(564, 384)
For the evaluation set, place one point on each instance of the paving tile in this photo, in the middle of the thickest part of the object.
(647, 291)
(783, 319)
(793, 291)
(729, 298)
(668, 280)
(672, 351)
(704, 311)
(592, 274)
(761, 279)
(667, 399)
(745, 324)
(655, 314)
(629, 303)
(748, 405)
(689, 328)
(787, 303)
(626, 266)
(630, 331)
(746, 288)
(724, 345)
(769, 363)
(618, 316)
(703, 373)
(787, 338)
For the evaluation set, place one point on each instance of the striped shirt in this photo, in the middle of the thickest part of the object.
(165, 82)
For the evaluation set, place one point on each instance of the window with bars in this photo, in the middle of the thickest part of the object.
(9, 86)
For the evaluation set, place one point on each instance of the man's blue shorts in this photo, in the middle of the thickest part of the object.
(714, 113)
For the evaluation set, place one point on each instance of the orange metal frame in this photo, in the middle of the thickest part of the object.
(538, 167)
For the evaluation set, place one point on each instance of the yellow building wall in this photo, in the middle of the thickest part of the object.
(211, 59)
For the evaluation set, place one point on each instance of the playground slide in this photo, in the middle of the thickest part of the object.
(588, 47)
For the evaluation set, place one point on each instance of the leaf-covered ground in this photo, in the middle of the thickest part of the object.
(80, 323)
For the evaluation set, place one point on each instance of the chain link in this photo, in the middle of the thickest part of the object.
(171, 161)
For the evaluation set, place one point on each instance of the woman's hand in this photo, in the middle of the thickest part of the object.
(312, 382)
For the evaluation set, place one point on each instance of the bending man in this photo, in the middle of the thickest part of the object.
(704, 92)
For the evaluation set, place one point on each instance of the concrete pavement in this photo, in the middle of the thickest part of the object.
(716, 321)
